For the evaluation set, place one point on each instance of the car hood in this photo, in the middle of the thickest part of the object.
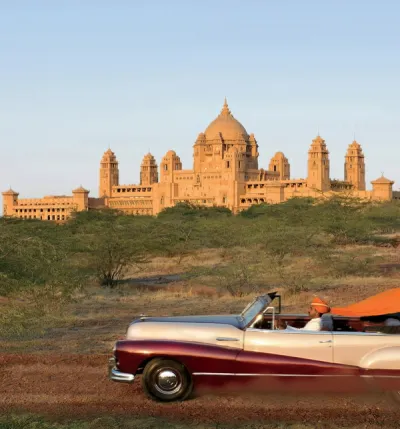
(199, 329)
(231, 319)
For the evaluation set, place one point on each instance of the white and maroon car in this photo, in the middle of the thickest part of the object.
(177, 355)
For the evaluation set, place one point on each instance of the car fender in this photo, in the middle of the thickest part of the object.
(385, 358)
(132, 355)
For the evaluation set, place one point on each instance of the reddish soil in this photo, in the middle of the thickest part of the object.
(77, 386)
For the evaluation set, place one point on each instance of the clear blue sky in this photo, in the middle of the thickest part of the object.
(77, 76)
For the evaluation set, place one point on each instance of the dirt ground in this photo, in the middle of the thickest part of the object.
(65, 386)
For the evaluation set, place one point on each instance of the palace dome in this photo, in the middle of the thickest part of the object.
(226, 125)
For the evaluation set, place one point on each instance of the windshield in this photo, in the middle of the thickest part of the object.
(252, 310)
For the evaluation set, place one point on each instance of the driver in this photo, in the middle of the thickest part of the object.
(318, 307)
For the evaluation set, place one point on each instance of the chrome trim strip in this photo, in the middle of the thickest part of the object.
(293, 375)
(227, 339)
(268, 375)
(380, 376)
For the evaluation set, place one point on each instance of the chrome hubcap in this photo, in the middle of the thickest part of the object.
(168, 381)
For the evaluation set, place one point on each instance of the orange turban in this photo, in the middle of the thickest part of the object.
(320, 305)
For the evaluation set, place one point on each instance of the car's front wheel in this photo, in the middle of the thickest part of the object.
(166, 380)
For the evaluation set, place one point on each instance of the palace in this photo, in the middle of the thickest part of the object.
(225, 173)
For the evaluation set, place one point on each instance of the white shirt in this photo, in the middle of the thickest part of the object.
(312, 325)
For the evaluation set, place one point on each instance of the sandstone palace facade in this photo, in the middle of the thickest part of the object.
(225, 173)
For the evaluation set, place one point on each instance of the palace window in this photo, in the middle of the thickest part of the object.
(227, 164)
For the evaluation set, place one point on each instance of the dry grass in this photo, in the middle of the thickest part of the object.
(167, 266)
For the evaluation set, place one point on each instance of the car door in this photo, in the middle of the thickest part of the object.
(297, 345)
(292, 359)
(281, 360)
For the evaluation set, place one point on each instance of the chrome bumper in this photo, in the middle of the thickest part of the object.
(115, 375)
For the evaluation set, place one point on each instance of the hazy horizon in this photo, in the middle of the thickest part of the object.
(135, 76)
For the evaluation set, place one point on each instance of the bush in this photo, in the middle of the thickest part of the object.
(104, 244)
(239, 276)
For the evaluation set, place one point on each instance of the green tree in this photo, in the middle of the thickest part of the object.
(112, 242)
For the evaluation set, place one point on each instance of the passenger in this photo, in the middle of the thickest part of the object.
(318, 307)
(392, 321)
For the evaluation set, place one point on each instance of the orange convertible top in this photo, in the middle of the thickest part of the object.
(387, 302)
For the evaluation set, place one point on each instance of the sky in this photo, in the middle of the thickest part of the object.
(77, 77)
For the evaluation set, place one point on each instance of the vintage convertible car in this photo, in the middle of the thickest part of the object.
(179, 355)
